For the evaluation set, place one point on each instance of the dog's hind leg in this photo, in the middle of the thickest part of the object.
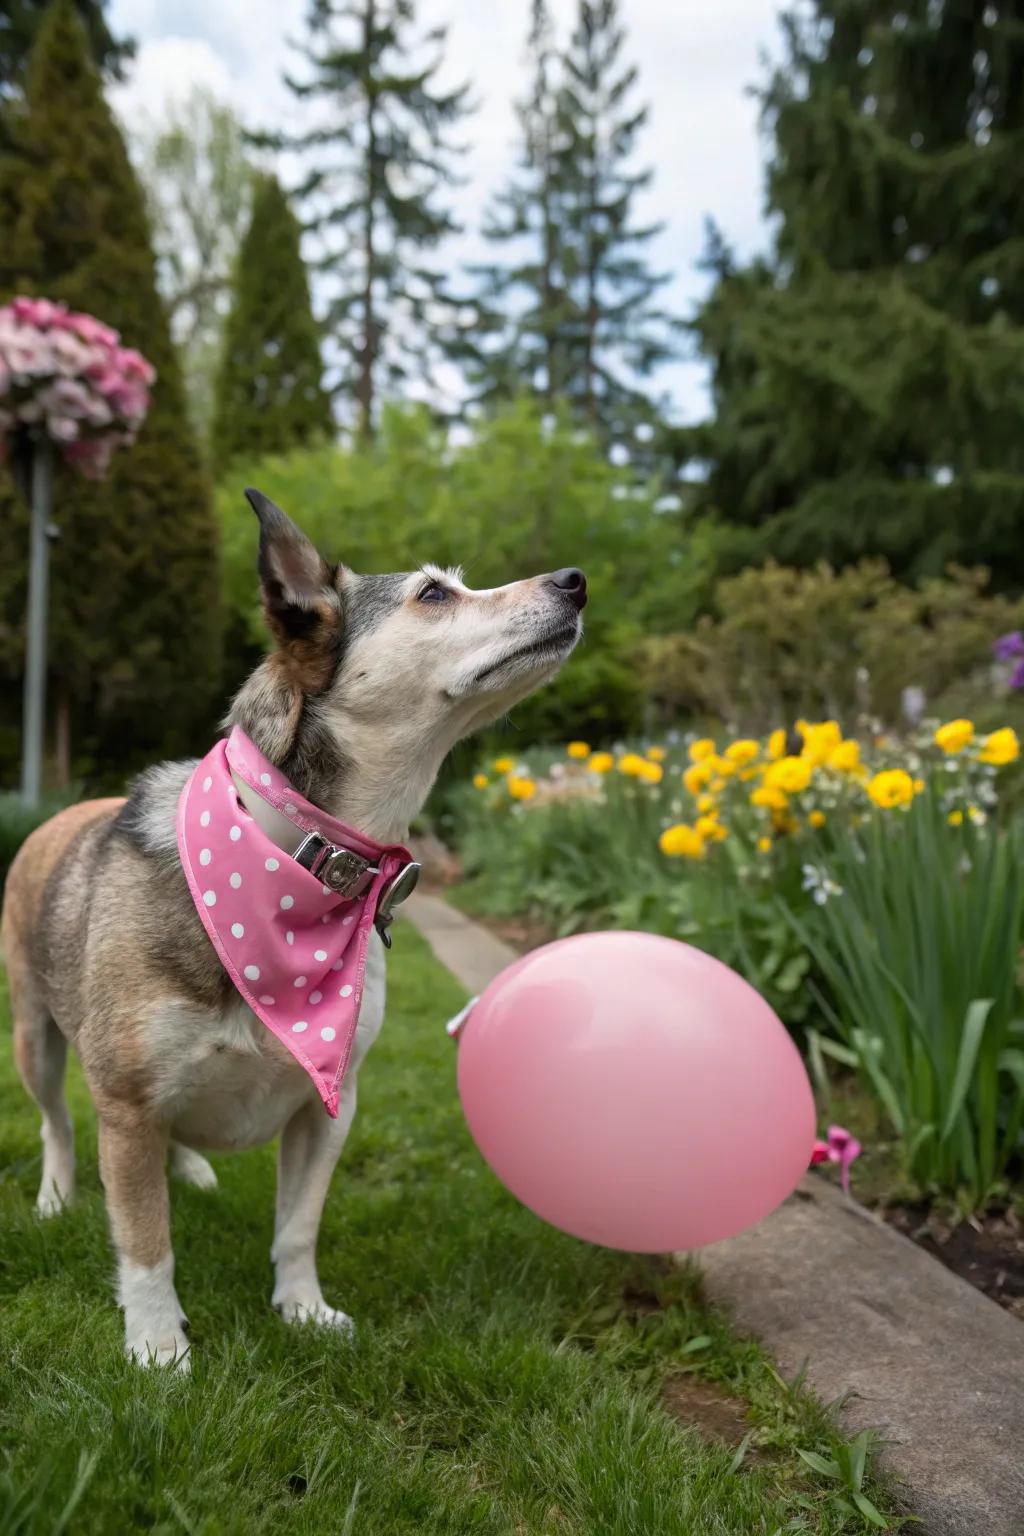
(40, 1051)
(310, 1147)
(133, 1152)
(191, 1167)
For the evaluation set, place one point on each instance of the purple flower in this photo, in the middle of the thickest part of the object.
(1009, 646)
(1017, 676)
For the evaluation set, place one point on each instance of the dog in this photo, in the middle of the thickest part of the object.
(370, 681)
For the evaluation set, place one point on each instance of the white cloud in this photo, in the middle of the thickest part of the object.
(696, 61)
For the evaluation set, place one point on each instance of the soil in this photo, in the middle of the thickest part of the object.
(703, 1406)
(987, 1251)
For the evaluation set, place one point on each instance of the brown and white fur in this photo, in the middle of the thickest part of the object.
(371, 681)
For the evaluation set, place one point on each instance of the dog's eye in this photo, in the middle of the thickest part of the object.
(433, 593)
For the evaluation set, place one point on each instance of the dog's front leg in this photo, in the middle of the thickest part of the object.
(133, 1155)
(311, 1144)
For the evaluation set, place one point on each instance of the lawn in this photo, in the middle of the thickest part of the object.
(504, 1377)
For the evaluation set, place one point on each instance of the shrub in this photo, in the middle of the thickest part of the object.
(786, 643)
(17, 820)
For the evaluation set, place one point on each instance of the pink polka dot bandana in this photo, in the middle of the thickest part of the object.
(294, 948)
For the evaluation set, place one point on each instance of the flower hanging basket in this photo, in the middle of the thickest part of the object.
(65, 376)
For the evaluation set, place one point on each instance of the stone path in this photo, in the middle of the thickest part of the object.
(909, 1347)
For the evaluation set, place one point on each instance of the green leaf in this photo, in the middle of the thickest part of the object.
(819, 1463)
(741, 1451)
(970, 1041)
(701, 1342)
(869, 1511)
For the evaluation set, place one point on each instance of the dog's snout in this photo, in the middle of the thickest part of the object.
(573, 583)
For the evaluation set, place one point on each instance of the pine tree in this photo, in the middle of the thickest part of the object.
(134, 629)
(869, 379)
(379, 163)
(518, 345)
(20, 22)
(615, 333)
(269, 394)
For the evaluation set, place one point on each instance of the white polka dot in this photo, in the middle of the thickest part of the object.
(315, 997)
(267, 1000)
(205, 856)
(319, 954)
(338, 964)
(237, 931)
(289, 808)
(235, 881)
(346, 990)
(210, 897)
(204, 820)
(326, 890)
(297, 1029)
(272, 864)
(327, 1034)
(252, 973)
(264, 778)
(289, 937)
(300, 981)
(326, 917)
(287, 902)
(235, 834)
(350, 919)
(206, 783)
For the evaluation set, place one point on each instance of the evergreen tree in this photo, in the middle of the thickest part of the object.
(269, 394)
(380, 158)
(20, 21)
(868, 381)
(616, 334)
(134, 631)
(518, 343)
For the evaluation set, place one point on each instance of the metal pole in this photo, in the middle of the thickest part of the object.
(35, 645)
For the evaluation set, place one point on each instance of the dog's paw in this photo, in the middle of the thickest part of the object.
(191, 1167)
(170, 1348)
(50, 1202)
(315, 1311)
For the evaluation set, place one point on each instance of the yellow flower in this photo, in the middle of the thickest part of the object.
(601, 762)
(845, 758)
(893, 786)
(742, 752)
(633, 765)
(722, 766)
(480, 781)
(919, 786)
(769, 797)
(578, 749)
(954, 736)
(764, 845)
(681, 842)
(820, 741)
(955, 818)
(651, 773)
(817, 819)
(707, 805)
(504, 764)
(777, 744)
(791, 774)
(698, 775)
(657, 754)
(710, 829)
(1000, 748)
(977, 815)
(746, 774)
(521, 789)
(701, 749)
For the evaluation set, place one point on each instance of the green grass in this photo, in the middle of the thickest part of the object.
(505, 1378)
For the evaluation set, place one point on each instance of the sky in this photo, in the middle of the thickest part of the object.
(697, 59)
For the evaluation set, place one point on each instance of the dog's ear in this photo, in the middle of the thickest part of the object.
(300, 596)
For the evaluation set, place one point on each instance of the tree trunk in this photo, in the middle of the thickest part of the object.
(368, 353)
(62, 737)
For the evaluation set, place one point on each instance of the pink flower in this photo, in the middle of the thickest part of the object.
(94, 331)
(65, 397)
(38, 311)
(27, 353)
(841, 1148)
(63, 429)
(135, 366)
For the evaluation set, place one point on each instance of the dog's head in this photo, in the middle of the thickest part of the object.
(364, 667)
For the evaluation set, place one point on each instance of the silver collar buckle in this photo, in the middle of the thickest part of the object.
(341, 870)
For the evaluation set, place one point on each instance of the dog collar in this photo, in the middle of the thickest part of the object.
(291, 929)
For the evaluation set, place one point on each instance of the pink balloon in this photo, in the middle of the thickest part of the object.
(635, 1092)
